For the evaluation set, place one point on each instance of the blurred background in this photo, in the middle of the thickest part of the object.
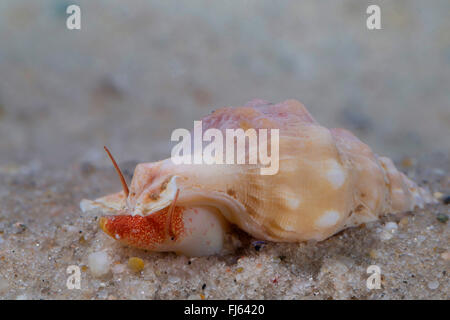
(139, 69)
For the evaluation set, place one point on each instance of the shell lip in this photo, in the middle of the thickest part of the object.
(106, 205)
(117, 203)
(163, 200)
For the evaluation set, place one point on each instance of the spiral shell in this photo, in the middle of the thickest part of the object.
(327, 180)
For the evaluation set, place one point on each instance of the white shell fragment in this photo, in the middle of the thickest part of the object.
(99, 263)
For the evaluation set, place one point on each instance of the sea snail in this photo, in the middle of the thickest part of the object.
(327, 180)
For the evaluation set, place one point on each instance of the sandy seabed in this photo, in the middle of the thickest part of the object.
(43, 231)
(139, 69)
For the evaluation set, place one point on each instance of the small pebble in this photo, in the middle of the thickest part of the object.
(404, 221)
(136, 264)
(445, 255)
(433, 285)
(442, 217)
(446, 200)
(82, 240)
(384, 235)
(388, 231)
(373, 254)
(99, 263)
(19, 228)
(258, 244)
(118, 268)
(391, 227)
(438, 195)
(173, 279)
